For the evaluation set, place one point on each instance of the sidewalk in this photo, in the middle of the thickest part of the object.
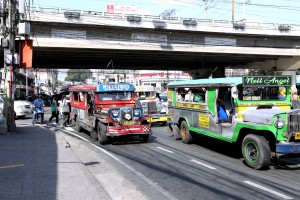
(36, 163)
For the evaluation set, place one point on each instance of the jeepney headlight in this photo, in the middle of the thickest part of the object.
(115, 113)
(279, 122)
(137, 112)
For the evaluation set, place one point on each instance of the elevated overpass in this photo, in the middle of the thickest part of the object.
(101, 40)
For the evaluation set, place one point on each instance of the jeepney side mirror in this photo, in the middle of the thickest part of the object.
(152, 107)
(234, 92)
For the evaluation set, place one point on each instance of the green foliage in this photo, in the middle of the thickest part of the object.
(78, 75)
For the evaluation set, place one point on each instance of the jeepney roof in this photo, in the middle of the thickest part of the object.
(82, 88)
(207, 82)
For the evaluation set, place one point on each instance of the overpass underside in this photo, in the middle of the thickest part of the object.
(54, 57)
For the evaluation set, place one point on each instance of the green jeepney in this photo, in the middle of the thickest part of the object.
(253, 111)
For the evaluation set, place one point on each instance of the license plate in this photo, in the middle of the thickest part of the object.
(297, 136)
(128, 122)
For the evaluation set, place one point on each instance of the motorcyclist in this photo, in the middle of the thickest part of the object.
(38, 103)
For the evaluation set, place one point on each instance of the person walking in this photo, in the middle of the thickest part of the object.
(54, 110)
(65, 111)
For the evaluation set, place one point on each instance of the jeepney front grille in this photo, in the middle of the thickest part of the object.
(125, 113)
(294, 122)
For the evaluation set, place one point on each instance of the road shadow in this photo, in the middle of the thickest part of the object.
(222, 147)
(29, 157)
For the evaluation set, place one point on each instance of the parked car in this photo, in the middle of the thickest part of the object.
(23, 108)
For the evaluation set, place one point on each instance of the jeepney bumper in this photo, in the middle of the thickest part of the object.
(128, 130)
(287, 148)
(158, 118)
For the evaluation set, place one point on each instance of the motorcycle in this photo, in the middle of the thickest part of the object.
(39, 115)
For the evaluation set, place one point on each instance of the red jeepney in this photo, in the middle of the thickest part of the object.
(108, 111)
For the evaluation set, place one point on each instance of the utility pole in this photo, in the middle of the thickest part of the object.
(10, 20)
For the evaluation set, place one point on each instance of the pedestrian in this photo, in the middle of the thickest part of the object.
(65, 111)
(54, 110)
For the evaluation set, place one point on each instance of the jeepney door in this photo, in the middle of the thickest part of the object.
(90, 107)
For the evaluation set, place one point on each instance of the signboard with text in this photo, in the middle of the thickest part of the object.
(111, 8)
(249, 81)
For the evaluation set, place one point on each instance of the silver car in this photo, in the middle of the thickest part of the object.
(23, 108)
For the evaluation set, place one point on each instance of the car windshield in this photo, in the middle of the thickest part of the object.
(262, 93)
(114, 96)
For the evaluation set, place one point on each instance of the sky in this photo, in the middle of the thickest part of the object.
(271, 11)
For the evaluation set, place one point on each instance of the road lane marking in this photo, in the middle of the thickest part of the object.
(165, 149)
(142, 176)
(132, 169)
(267, 190)
(84, 139)
(203, 164)
(11, 166)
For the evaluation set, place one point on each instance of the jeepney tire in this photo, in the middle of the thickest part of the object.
(185, 134)
(102, 137)
(77, 126)
(256, 151)
(163, 123)
(144, 138)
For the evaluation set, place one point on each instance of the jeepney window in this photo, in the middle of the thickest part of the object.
(81, 97)
(262, 93)
(114, 96)
(181, 92)
(198, 94)
(75, 96)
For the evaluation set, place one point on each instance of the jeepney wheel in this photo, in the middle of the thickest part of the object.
(77, 125)
(163, 123)
(102, 137)
(185, 134)
(256, 151)
(144, 138)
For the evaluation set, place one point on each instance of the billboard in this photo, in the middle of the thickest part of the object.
(111, 8)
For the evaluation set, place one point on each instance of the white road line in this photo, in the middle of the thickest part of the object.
(267, 190)
(203, 164)
(165, 149)
(132, 169)
(84, 139)
(69, 129)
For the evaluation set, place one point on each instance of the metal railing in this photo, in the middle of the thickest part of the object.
(179, 20)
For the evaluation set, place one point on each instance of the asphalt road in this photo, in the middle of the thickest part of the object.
(165, 168)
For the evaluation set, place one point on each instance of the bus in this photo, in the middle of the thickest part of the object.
(251, 111)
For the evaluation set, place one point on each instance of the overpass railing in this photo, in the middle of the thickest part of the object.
(178, 20)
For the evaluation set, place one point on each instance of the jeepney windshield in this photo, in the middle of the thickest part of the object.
(107, 96)
(144, 94)
(261, 93)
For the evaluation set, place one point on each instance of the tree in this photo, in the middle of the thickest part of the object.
(79, 75)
